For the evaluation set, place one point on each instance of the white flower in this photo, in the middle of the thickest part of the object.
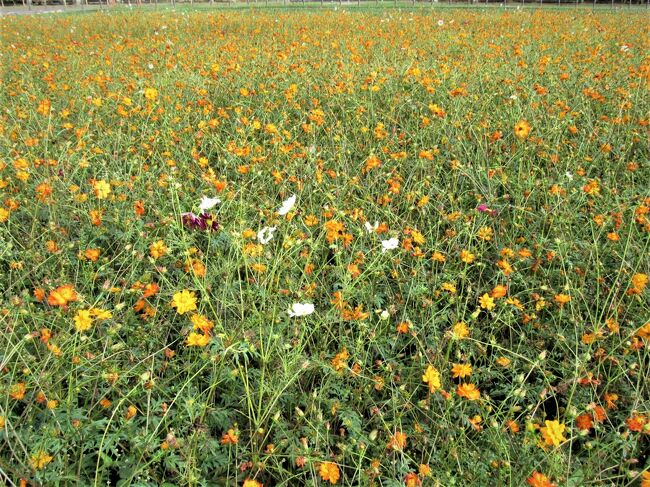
(441, 23)
(287, 205)
(389, 244)
(301, 309)
(384, 315)
(207, 203)
(371, 228)
(569, 175)
(265, 235)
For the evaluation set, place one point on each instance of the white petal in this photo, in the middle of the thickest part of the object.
(265, 235)
(207, 203)
(301, 309)
(371, 228)
(287, 205)
(389, 244)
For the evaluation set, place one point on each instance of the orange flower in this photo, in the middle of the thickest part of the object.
(584, 422)
(562, 299)
(468, 391)
(329, 472)
(397, 441)
(158, 249)
(403, 327)
(62, 295)
(539, 480)
(636, 423)
(230, 438)
(150, 290)
(17, 391)
(499, 291)
(645, 479)
(638, 283)
(461, 370)
(467, 257)
(92, 254)
(131, 411)
(339, 360)
(371, 163)
(39, 294)
(412, 480)
(139, 208)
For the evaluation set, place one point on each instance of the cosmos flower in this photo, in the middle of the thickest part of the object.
(329, 472)
(431, 377)
(301, 309)
(265, 235)
(203, 221)
(371, 228)
(287, 205)
(553, 432)
(184, 301)
(390, 244)
(522, 129)
(207, 203)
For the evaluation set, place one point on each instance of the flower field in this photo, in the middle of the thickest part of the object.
(320, 247)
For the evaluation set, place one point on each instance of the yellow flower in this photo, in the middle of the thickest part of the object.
(460, 330)
(449, 287)
(4, 215)
(432, 378)
(487, 302)
(200, 322)
(100, 314)
(197, 340)
(102, 189)
(40, 459)
(251, 483)
(158, 249)
(467, 257)
(150, 93)
(329, 471)
(485, 233)
(83, 321)
(522, 129)
(184, 301)
(552, 432)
